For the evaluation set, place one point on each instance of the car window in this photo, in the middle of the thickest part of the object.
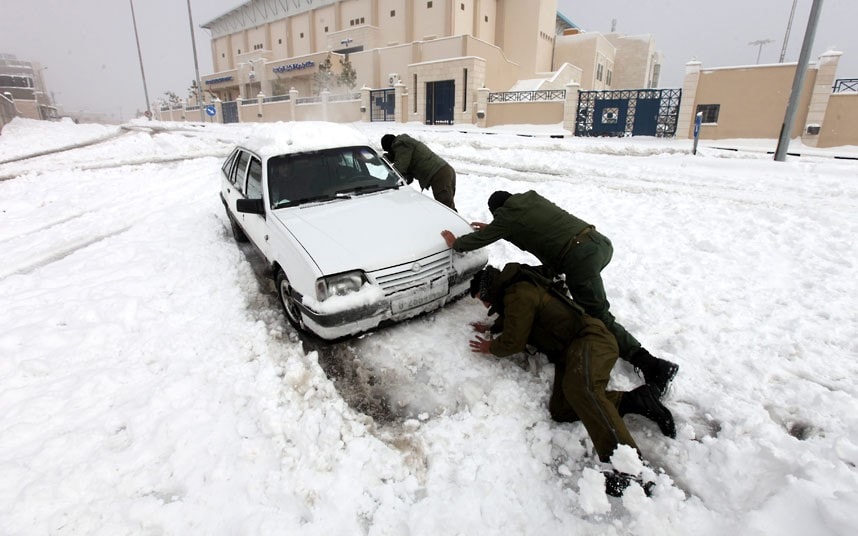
(238, 174)
(254, 179)
(229, 163)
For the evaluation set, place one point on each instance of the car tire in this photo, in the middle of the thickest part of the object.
(287, 300)
(237, 231)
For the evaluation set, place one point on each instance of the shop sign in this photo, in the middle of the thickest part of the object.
(294, 66)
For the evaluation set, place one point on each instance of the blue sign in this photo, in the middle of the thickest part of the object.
(211, 110)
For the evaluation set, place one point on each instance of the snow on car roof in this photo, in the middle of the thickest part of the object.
(273, 139)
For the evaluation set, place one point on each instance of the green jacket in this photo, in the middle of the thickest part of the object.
(414, 160)
(530, 312)
(532, 223)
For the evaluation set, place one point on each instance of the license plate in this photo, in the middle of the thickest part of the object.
(422, 295)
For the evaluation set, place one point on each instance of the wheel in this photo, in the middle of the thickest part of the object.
(237, 232)
(287, 300)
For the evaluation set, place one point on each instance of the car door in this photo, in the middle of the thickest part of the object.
(235, 175)
(256, 225)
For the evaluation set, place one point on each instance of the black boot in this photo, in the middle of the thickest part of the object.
(656, 372)
(644, 401)
(617, 482)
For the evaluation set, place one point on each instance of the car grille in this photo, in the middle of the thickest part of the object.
(404, 276)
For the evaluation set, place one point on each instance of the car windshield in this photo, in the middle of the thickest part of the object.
(326, 175)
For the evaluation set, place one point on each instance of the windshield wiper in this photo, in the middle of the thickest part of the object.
(311, 199)
(367, 188)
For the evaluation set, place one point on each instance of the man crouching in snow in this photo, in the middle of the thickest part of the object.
(583, 351)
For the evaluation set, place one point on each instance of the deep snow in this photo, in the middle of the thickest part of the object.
(152, 386)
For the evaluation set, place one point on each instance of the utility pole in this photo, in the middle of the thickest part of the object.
(788, 30)
(760, 42)
(199, 91)
(798, 81)
(140, 57)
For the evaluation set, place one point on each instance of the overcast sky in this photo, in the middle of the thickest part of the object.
(89, 51)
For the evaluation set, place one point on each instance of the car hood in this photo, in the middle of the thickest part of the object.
(371, 231)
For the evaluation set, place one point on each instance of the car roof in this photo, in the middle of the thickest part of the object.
(273, 139)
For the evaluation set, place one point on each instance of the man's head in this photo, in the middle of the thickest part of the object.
(497, 199)
(387, 142)
(482, 285)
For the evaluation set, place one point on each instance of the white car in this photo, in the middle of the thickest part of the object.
(349, 244)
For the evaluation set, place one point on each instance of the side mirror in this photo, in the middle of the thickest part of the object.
(250, 206)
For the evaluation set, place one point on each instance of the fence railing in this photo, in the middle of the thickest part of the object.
(344, 97)
(276, 98)
(845, 85)
(546, 95)
(307, 100)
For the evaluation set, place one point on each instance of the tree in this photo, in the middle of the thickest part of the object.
(324, 79)
(172, 99)
(348, 75)
(192, 92)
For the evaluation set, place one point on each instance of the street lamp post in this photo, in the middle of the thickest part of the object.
(760, 42)
(199, 91)
(798, 81)
(140, 57)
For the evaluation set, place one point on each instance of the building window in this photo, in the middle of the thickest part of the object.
(429, 5)
(326, 29)
(464, 89)
(302, 35)
(608, 77)
(487, 18)
(222, 54)
(392, 12)
(361, 20)
(239, 51)
(279, 41)
(599, 71)
(710, 112)
(414, 91)
(462, 6)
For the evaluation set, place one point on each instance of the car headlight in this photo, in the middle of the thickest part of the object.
(339, 285)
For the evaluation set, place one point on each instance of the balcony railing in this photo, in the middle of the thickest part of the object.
(547, 95)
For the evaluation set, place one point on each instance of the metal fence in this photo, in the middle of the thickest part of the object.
(344, 97)
(845, 85)
(276, 98)
(546, 95)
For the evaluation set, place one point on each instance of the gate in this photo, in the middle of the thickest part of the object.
(382, 105)
(230, 112)
(632, 112)
(440, 101)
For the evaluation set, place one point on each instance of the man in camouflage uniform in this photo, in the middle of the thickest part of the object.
(583, 351)
(416, 161)
(567, 245)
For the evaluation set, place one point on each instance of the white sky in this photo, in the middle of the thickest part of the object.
(152, 386)
(89, 50)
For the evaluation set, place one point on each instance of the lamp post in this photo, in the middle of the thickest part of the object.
(140, 57)
(199, 90)
(760, 42)
(798, 81)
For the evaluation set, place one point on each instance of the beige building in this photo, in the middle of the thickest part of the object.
(438, 49)
(22, 90)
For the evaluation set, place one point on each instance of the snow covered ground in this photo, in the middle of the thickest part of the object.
(150, 384)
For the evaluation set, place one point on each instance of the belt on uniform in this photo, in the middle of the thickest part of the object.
(582, 236)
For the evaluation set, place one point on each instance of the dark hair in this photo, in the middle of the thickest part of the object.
(497, 199)
(482, 285)
(387, 141)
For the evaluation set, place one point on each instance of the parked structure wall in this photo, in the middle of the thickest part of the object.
(840, 126)
(751, 102)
